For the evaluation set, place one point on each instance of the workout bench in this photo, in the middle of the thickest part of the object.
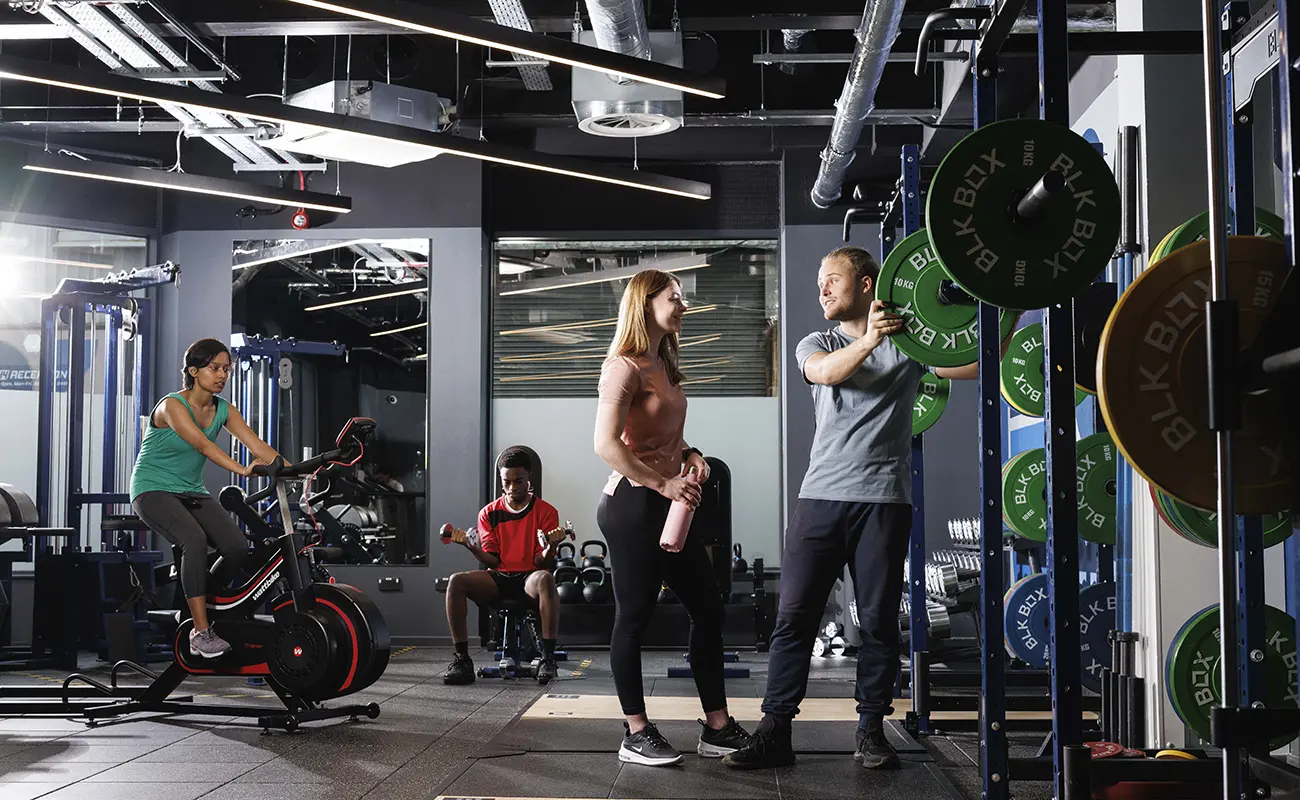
(514, 635)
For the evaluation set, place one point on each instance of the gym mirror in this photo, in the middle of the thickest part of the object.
(326, 330)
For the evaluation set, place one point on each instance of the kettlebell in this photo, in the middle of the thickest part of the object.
(563, 560)
(567, 586)
(594, 590)
(738, 565)
(593, 561)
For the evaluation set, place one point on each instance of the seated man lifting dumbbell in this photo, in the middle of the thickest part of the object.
(519, 567)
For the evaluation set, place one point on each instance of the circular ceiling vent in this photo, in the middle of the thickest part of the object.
(627, 120)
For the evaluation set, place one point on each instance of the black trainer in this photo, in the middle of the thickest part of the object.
(460, 671)
(647, 746)
(718, 743)
(768, 747)
(546, 671)
(874, 750)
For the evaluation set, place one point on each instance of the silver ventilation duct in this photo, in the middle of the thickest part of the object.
(791, 40)
(620, 27)
(875, 37)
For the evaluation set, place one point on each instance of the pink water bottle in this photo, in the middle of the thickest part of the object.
(678, 523)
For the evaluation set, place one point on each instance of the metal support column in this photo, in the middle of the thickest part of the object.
(112, 346)
(993, 679)
(1288, 26)
(1059, 435)
(1221, 319)
(1126, 164)
(1249, 531)
(910, 199)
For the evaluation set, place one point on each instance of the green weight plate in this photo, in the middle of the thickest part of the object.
(1201, 525)
(931, 400)
(936, 334)
(1197, 228)
(1021, 374)
(1007, 467)
(1024, 495)
(1191, 666)
(1001, 258)
(1162, 248)
(1162, 508)
(1095, 469)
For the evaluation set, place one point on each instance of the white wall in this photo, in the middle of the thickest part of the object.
(742, 431)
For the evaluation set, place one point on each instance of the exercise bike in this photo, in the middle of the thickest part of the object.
(324, 640)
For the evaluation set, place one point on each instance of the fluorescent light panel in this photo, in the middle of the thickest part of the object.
(602, 276)
(185, 182)
(432, 20)
(391, 331)
(109, 85)
(366, 299)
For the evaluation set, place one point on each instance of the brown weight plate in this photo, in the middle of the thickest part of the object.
(1151, 376)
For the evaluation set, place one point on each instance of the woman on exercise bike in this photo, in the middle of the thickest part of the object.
(167, 489)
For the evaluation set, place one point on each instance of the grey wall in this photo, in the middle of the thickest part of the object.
(951, 446)
(200, 306)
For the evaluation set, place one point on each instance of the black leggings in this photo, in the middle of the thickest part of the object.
(192, 522)
(632, 520)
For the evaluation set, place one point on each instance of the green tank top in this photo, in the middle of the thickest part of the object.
(168, 463)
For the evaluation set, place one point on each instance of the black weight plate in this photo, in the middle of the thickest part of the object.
(1091, 310)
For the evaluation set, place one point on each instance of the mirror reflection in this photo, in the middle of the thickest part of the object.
(327, 330)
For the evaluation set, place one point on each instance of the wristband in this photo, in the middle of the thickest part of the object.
(687, 453)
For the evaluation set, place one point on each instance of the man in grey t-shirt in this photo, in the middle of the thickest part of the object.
(854, 508)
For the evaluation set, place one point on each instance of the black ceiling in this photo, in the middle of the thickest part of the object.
(722, 38)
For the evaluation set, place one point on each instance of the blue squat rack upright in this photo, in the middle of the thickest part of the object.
(105, 313)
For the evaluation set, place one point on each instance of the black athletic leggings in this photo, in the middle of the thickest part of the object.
(632, 520)
(193, 522)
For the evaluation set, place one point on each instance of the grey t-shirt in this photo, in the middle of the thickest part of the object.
(862, 449)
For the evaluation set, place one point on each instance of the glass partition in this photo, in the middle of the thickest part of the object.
(554, 308)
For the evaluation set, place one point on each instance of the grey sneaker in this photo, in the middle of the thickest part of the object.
(208, 644)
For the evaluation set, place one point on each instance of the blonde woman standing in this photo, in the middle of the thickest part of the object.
(639, 432)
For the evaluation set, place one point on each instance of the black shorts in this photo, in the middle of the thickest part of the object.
(510, 585)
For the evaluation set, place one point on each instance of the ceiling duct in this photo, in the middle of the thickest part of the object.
(619, 106)
(876, 34)
(792, 42)
(372, 100)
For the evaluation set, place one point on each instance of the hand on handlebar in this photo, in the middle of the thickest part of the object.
(251, 470)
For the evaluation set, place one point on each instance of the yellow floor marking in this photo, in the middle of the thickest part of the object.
(586, 662)
(815, 709)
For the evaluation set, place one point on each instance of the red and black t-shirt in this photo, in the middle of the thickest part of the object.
(512, 535)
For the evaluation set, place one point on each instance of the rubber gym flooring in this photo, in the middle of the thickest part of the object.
(492, 739)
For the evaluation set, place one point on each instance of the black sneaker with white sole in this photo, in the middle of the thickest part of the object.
(718, 743)
(874, 750)
(647, 746)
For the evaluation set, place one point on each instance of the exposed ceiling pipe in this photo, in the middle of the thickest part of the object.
(876, 35)
(620, 27)
(792, 40)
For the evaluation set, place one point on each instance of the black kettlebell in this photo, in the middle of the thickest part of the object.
(594, 589)
(563, 560)
(567, 586)
(738, 565)
(594, 561)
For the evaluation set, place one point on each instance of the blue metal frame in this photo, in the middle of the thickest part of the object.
(1288, 26)
(1250, 530)
(1059, 435)
(246, 350)
(992, 415)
